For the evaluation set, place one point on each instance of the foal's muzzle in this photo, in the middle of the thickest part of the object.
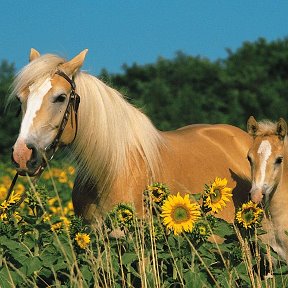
(256, 196)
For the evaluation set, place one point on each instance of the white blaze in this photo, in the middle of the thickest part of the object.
(265, 151)
(34, 103)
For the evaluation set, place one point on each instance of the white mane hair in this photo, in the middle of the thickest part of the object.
(112, 134)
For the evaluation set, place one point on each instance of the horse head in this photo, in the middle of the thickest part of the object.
(266, 156)
(45, 89)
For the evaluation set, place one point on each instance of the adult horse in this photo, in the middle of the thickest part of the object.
(116, 148)
(268, 157)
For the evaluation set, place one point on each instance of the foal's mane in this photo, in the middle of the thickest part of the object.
(112, 134)
(266, 128)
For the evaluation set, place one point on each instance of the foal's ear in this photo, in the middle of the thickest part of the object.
(74, 64)
(281, 129)
(252, 126)
(34, 54)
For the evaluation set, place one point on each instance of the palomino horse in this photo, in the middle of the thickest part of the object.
(116, 148)
(268, 157)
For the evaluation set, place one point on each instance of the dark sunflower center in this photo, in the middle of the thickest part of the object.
(157, 193)
(180, 214)
(125, 215)
(215, 196)
(202, 230)
(248, 216)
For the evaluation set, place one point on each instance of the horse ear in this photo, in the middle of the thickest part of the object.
(281, 129)
(74, 64)
(34, 54)
(252, 126)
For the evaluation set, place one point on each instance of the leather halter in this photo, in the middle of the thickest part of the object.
(73, 105)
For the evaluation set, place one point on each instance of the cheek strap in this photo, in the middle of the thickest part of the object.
(72, 106)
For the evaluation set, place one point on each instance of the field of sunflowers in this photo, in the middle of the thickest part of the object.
(43, 244)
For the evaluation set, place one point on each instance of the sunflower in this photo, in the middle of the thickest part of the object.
(14, 197)
(179, 214)
(201, 231)
(56, 226)
(3, 216)
(5, 205)
(63, 178)
(82, 240)
(216, 196)
(156, 193)
(122, 216)
(249, 215)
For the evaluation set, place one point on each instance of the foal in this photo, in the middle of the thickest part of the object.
(268, 159)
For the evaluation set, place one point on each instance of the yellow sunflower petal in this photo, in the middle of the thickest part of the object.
(179, 214)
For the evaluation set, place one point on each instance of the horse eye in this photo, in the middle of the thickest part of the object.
(279, 160)
(249, 159)
(60, 98)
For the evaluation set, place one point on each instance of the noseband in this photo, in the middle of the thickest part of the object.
(73, 105)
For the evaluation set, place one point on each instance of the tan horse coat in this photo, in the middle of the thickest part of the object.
(117, 149)
(269, 179)
(193, 156)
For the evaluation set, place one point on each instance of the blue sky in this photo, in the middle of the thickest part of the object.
(135, 31)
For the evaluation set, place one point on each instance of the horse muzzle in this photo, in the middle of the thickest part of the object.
(257, 194)
(26, 158)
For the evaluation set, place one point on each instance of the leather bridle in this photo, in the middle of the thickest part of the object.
(50, 150)
(73, 105)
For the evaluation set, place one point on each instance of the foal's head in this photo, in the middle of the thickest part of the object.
(266, 156)
(44, 97)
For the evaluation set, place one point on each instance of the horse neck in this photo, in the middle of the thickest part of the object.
(111, 134)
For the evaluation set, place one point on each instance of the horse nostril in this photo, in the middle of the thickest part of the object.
(33, 162)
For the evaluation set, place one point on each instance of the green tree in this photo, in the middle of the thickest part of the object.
(184, 90)
(258, 74)
(9, 124)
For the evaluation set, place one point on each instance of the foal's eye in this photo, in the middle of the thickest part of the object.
(60, 98)
(249, 159)
(279, 160)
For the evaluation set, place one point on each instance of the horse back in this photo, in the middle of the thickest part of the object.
(195, 155)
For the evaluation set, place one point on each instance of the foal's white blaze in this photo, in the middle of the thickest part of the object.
(265, 151)
(34, 103)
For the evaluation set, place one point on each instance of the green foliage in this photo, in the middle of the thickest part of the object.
(251, 81)
(9, 124)
(36, 252)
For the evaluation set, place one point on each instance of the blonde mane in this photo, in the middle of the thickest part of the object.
(112, 134)
(36, 71)
(266, 128)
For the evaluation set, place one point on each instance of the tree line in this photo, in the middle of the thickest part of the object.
(253, 80)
